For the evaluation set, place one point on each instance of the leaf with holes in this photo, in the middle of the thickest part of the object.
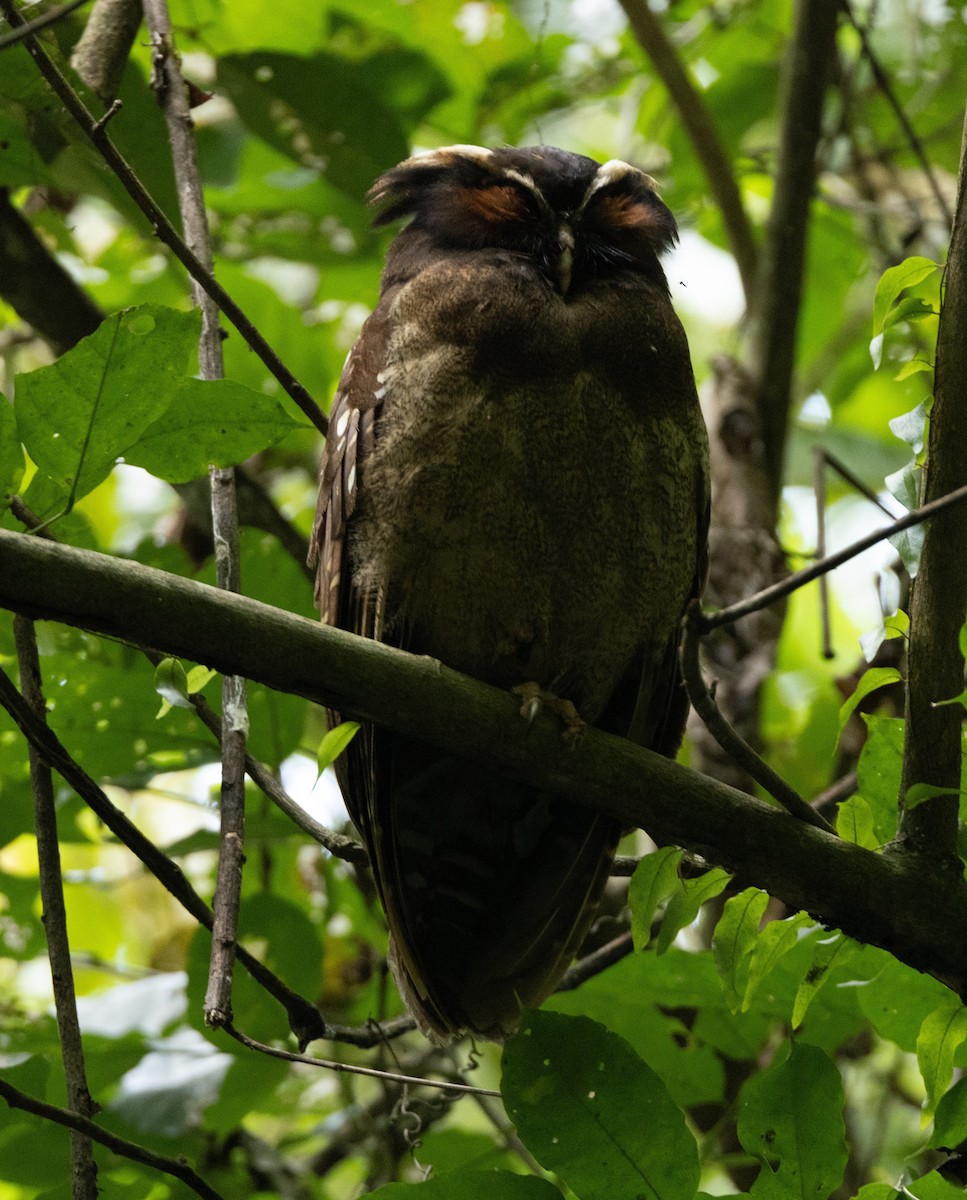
(80, 414)
(589, 1109)
(791, 1119)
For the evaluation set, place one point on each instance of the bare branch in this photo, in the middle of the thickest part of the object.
(792, 583)
(83, 1167)
(102, 49)
(161, 225)
(351, 1069)
(886, 87)
(700, 125)
(775, 318)
(30, 277)
(178, 1168)
(27, 28)
(736, 747)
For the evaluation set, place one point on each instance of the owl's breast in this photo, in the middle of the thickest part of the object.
(529, 510)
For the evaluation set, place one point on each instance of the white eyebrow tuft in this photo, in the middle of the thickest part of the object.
(447, 154)
(613, 170)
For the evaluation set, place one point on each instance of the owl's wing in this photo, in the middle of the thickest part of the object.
(342, 603)
(352, 421)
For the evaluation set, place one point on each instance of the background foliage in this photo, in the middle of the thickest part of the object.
(747, 1049)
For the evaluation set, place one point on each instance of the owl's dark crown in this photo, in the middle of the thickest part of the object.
(576, 218)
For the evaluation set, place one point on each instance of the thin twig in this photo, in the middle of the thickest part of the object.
(83, 1168)
(697, 119)
(173, 97)
(735, 746)
(883, 83)
(775, 317)
(27, 28)
(178, 1168)
(819, 491)
(597, 961)
(160, 223)
(348, 1068)
(792, 583)
(304, 1018)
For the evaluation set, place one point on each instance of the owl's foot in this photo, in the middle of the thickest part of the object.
(534, 698)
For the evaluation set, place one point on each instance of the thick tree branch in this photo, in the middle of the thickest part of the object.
(102, 49)
(775, 317)
(876, 898)
(933, 746)
(700, 125)
(31, 278)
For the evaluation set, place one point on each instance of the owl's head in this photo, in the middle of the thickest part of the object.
(576, 218)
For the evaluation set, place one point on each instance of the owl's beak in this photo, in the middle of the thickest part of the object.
(565, 264)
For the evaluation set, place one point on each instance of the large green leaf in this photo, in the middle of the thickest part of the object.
(791, 1119)
(78, 416)
(589, 1109)
(213, 422)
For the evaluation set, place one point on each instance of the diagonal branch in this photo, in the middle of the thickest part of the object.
(95, 131)
(775, 318)
(700, 125)
(874, 898)
(83, 1166)
(176, 1167)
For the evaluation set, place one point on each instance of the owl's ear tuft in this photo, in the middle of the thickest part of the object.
(402, 191)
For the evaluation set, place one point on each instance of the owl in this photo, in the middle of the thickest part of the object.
(515, 482)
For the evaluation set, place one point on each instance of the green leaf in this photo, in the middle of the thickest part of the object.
(171, 683)
(911, 427)
(941, 1034)
(917, 793)
(829, 951)
(734, 940)
(772, 944)
(590, 1110)
(209, 422)
(654, 879)
(854, 823)
(913, 367)
(473, 1185)
(878, 772)
(911, 308)
(334, 743)
(78, 416)
(791, 1119)
(685, 902)
(950, 1122)
(877, 1191)
(933, 1186)
(893, 281)
(870, 681)
(11, 454)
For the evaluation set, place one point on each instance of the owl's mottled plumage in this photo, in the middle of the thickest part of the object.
(514, 482)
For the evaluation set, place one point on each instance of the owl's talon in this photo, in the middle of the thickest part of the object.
(534, 698)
